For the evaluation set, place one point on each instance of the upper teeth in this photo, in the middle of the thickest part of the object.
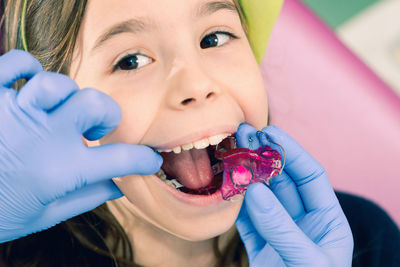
(200, 144)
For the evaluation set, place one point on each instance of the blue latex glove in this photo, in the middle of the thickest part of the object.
(47, 174)
(298, 220)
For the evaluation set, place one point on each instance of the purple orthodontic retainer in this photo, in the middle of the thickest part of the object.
(242, 167)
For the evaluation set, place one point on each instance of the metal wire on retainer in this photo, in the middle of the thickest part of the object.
(283, 152)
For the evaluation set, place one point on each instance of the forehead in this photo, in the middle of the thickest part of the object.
(101, 13)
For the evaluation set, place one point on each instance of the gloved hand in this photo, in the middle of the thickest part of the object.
(47, 174)
(298, 220)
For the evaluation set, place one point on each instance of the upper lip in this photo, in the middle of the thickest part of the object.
(198, 135)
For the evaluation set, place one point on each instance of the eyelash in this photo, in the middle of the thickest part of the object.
(116, 67)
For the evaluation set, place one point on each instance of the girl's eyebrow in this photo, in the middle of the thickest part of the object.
(143, 24)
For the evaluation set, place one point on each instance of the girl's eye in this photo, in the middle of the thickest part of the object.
(132, 62)
(217, 38)
(137, 60)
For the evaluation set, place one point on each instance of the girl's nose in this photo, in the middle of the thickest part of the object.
(190, 85)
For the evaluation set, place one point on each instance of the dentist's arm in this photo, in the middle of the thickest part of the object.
(47, 174)
(298, 220)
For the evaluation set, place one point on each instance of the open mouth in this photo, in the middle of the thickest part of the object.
(193, 168)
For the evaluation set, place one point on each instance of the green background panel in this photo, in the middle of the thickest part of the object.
(336, 12)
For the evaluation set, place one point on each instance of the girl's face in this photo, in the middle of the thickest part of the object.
(181, 70)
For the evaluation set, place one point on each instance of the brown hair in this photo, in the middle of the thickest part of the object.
(94, 238)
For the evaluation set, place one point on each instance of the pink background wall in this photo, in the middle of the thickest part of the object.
(331, 103)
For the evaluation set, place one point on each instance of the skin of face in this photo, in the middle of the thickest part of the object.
(177, 90)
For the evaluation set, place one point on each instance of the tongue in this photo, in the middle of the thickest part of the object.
(190, 167)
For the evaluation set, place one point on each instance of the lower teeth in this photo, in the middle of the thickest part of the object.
(174, 183)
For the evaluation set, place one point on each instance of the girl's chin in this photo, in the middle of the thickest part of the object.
(197, 236)
(189, 217)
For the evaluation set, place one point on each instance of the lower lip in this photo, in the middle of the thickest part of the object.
(196, 200)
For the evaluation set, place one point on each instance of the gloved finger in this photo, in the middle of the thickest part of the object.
(257, 248)
(309, 176)
(93, 113)
(283, 186)
(116, 160)
(17, 64)
(274, 224)
(252, 241)
(274, 259)
(78, 202)
(246, 137)
(286, 192)
(45, 91)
